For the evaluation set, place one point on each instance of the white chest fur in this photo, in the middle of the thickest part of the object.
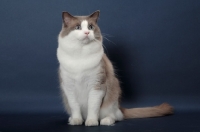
(76, 57)
(79, 67)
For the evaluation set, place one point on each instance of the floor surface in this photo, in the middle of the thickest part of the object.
(179, 122)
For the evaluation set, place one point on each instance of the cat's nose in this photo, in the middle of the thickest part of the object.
(87, 32)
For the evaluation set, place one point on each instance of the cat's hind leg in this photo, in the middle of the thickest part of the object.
(108, 121)
(109, 115)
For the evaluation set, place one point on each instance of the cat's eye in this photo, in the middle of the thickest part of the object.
(91, 27)
(78, 27)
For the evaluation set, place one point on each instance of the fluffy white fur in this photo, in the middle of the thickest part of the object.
(79, 55)
(90, 90)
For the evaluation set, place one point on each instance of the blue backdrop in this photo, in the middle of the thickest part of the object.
(154, 46)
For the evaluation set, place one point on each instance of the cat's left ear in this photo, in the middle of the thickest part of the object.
(95, 15)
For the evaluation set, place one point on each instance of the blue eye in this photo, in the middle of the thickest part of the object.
(91, 27)
(78, 27)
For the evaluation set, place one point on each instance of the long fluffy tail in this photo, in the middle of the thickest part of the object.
(156, 111)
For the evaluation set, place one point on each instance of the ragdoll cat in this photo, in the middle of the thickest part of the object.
(90, 89)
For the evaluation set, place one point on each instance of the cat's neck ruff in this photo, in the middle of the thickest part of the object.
(76, 57)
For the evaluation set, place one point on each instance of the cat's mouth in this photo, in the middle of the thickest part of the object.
(86, 37)
(86, 40)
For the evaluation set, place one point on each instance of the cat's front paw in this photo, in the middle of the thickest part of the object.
(75, 121)
(91, 122)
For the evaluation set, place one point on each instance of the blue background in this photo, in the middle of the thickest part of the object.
(154, 46)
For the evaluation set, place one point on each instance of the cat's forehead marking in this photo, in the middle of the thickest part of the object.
(84, 24)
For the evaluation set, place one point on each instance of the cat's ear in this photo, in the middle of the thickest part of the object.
(66, 17)
(95, 15)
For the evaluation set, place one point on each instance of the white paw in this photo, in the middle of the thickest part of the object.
(91, 122)
(75, 121)
(108, 121)
(69, 119)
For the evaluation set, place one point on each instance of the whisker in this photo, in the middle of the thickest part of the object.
(104, 35)
(105, 48)
(107, 35)
(102, 45)
(109, 40)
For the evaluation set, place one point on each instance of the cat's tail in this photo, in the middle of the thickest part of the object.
(146, 112)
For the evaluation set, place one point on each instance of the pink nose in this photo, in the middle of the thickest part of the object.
(87, 32)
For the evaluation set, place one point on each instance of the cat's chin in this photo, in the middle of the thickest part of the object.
(86, 41)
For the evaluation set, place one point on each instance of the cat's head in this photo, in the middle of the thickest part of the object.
(81, 28)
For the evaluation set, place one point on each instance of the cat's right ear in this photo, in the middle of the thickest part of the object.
(66, 17)
(95, 15)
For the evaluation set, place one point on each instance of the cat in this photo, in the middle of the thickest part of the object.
(90, 90)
